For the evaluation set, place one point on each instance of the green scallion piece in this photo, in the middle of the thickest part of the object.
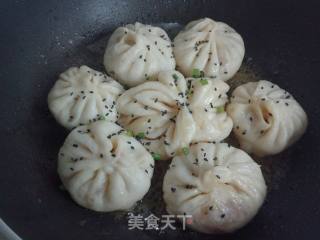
(140, 135)
(175, 77)
(130, 133)
(195, 73)
(203, 81)
(220, 109)
(189, 93)
(185, 151)
(156, 156)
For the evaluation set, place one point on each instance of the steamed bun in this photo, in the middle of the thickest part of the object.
(173, 112)
(213, 47)
(104, 169)
(83, 95)
(137, 53)
(220, 186)
(267, 119)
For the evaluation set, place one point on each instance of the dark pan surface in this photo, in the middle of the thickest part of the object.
(40, 39)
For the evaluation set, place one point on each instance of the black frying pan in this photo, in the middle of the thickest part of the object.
(40, 39)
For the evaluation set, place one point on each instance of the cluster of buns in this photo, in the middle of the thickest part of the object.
(176, 107)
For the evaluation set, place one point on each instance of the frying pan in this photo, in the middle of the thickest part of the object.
(40, 39)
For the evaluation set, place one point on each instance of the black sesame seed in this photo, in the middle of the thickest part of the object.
(173, 189)
(75, 145)
(222, 215)
(218, 176)
(211, 208)
(146, 171)
(101, 155)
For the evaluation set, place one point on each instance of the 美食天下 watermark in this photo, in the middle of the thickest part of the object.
(153, 222)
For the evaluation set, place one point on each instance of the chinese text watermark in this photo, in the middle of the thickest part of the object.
(153, 222)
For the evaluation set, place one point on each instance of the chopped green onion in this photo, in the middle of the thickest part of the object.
(140, 135)
(203, 81)
(130, 133)
(189, 93)
(175, 77)
(220, 109)
(185, 151)
(156, 156)
(102, 118)
(195, 73)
